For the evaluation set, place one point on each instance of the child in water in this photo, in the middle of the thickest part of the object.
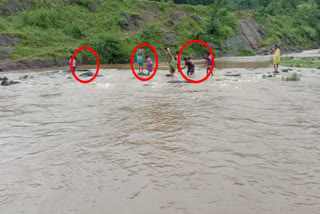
(190, 65)
(74, 63)
(208, 62)
(189, 59)
(150, 65)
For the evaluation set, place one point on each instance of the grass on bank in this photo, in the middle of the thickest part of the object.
(304, 63)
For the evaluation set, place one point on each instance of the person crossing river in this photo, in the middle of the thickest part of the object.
(140, 59)
(171, 61)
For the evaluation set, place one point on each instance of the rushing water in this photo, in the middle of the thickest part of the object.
(232, 145)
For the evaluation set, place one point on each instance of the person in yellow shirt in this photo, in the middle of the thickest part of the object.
(276, 58)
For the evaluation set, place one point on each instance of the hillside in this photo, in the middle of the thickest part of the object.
(40, 29)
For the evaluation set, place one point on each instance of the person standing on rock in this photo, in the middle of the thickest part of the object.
(74, 63)
(208, 62)
(276, 58)
(171, 61)
(140, 59)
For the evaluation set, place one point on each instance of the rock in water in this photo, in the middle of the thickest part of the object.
(67, 70)
(285, 70)
(232, 75)
(268, 75)
(24, 77)
(177, 81)
(6, 82)
(87, 74)
(143, 75)
(4, 78)
(318, 68)
(13, 82)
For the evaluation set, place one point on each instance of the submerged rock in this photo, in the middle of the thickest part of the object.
(142, 74)
(178, 81)
(6, 82)
(267, 76)
(87, 74)
(24, 77)
(232, 75)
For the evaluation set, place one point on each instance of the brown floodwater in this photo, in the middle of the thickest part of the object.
(232, 145)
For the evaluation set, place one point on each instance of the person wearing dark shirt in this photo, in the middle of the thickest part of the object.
(190, 65)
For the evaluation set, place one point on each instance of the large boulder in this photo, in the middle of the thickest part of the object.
(234, 44)
(94, 7)
(7, 41)
(12, 7)
(169, 37)
(131, 23)
(149, 13)
(5, 82)
(7, 44)
(196, 18)
(253, 32)
(87, 74)
(28, 64)
(175, 18)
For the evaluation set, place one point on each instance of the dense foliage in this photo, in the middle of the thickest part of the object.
(192, 2)
(298, 21)
(53, 28)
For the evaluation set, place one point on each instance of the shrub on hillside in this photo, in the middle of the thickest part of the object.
(42, 17)
(151, 34)
(110, 50)
(246, 52)
(75, 31)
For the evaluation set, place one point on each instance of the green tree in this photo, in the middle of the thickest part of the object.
(222, 23)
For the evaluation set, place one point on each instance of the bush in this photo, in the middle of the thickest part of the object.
(151, 34)
(246, 52)
(110, 50)
(42, 17)
(75, 31)
(222, 24)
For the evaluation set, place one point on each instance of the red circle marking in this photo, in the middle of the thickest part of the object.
(98, 65)
(131, 61)
(179, 56)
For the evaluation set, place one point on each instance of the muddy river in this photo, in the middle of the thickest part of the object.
(232, 145)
